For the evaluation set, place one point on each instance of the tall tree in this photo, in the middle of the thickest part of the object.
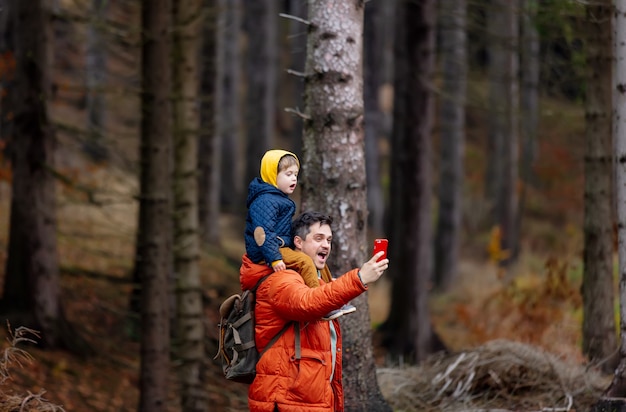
(502, 164)
(209, 145)
(408, 327)
(228, 120)
(529, 90)
(31, 286)
(373, 51)
(96, 72)
(599, 338)
(529, 99)
(334, 171)
(153, 255)
(260, 23)
(189, 337)
(453, 51)
(617, 388)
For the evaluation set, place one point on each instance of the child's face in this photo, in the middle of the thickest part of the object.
(287, 179)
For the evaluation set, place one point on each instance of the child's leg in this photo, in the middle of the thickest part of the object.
(302, 264)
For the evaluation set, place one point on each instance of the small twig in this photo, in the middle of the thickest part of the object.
(297, 113)
(295, 73)
(296, 18)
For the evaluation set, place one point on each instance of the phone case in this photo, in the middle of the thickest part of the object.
(381, 245)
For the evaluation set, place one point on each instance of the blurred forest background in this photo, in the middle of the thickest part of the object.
(491, 118)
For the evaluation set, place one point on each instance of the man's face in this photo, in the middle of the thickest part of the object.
(316, 244)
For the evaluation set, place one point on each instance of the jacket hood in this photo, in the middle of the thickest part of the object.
(269, 164)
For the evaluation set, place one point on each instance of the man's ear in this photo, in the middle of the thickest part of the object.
(297, 242)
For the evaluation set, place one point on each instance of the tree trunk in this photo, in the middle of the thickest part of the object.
(529, 92)
(452, 143)
(373, 52)
(31, 287)
(153, 256)
(209, 145)
(502, 176)
(228, 121)
(96, 73)
(260, 23)
(529, 101)
(599, 338)
(618, 385)
(334, 171)
(7, 52)
(408, 329)
(187, 16)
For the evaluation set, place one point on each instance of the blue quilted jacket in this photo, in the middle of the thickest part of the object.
(270, 211)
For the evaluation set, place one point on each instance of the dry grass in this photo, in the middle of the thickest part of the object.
(501, 375)
(16, 357)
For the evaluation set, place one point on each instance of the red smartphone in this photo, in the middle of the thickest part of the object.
(380, 245)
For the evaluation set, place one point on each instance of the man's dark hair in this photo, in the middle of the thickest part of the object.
(301, 224)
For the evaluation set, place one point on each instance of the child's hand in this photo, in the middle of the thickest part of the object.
(278, 266)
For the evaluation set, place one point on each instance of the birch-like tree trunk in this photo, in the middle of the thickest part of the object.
(618, 385)
(408, 329)
(189, 337)
(260, 18)
(453, 51)
(153, 256)
(599, 337)
(333, 170)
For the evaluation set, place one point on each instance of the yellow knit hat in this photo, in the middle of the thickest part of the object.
(269, 164)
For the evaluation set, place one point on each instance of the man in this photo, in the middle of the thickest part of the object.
(301, 371)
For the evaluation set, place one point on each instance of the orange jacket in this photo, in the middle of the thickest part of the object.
(303, 385)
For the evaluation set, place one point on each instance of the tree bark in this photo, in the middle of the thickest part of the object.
(32, 281)
(618, 385)
(96, 71)
(334, 172)
(599, 338)
(502, 159)
(452, 142)
(373, 51)
(408, 329)
(153, 256)
(228, 120)
(187, 15)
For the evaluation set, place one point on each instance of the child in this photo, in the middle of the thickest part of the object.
(268, 222)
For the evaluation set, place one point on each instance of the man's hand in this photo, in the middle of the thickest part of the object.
(371, 270)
